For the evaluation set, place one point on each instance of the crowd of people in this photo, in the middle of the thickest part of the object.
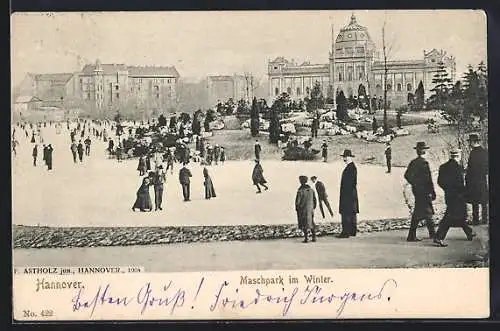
(460, 187)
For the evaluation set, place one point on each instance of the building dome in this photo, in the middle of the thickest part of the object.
(353, 32)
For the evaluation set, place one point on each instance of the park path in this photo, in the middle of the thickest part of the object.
(370, 250)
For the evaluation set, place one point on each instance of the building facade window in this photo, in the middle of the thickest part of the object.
(408, 87)
(157, 96)
(118, 95)
(88, 95)
(350, 71)
(298, 90)
(116, 87)
(289, 90)
(276, 91)
(398, 87)
(389, 87)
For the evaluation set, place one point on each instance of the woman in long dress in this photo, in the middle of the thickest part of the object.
(143, 201)
(209, 186)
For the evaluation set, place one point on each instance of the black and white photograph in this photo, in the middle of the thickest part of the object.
(269, 140)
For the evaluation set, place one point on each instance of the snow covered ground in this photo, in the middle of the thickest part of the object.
(100, 192)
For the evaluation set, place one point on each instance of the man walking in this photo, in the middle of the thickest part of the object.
(451, 180)
(88, 142)
(257, 150)
(158, 181)
(418, 175)
(322, 196)
(305, 203)
(49, 157)
(388, 156)
(258, 177)
(80, 150)
(35, 154)
(348, 202)
(184, 179)
(74, 150)
(476, 180)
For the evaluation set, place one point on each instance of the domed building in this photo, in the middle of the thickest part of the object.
(355, 64)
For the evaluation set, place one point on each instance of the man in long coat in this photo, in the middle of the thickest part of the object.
(35, 154)
(451, 180)
(49, 157)
(74, 150)
(476, 180)
(305, 203)
(80, 150)
(348, 202)
(322, 196)
(258, 176)
(418, 175)
(184, 179)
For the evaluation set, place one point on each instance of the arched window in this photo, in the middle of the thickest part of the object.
(276, 91)
(289, 90)
(298, 90)
(398, 87)
(408, 87)
(340, 76)
(389, 87)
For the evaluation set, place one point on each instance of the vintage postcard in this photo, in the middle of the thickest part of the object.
(249, 165)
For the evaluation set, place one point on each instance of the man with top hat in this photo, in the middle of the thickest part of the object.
(418, 175)
(305, 203)
(348, 202)
(451, 180)
(476, 180)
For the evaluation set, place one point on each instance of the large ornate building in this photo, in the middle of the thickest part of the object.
(355, 61)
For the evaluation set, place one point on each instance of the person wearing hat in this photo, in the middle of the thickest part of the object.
(305, 203)
(216, 154)
(388, 156)
(209, 185)
(184, 179)
(476, 180)
(258, 177)
(451, 180)
(348, 202)
(257, 150)
(159, 177)
(418, 175)
(322, 196)
(324, 151)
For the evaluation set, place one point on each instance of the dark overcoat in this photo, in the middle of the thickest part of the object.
(209, 185)
(305, 203)
(418, 175)
(451, 180)
(348, 202)
(185, 175)
(143, 199)
(258, 175)
(476, 181)
(324, 150)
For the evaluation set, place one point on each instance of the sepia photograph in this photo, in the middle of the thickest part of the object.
(252, 140)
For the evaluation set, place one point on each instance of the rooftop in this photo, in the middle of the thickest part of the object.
(60, 77)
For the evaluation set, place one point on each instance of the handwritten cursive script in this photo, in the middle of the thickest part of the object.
(225, 297)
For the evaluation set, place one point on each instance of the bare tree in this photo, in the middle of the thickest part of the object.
(387, 51)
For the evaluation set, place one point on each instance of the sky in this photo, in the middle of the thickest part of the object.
(206, 43)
